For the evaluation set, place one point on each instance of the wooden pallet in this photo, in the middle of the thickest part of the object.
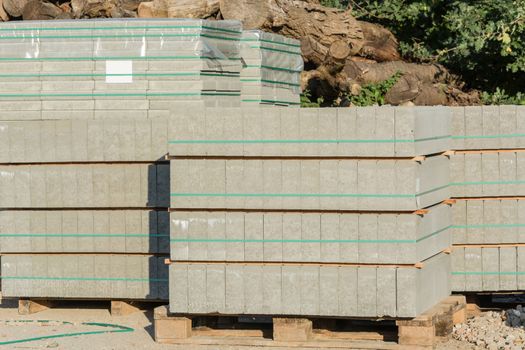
(421, 332)
(28, 306)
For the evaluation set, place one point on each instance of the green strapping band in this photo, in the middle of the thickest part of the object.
(307, 195)
(269, 81)
(109, 58)
(270, 42)
(276, 50)
(149, 94)
(510, 182)
(119, 28)
(115, 329)
(480, 273)
(432, 234)
(272, 101)
(302, 141)
(325, 241)
(217, 94)
(303, 195)
(489, 226)
(119, 36)
(432, 190)
(72, 235)
(502, 136)
(273, 68)
(112, 279)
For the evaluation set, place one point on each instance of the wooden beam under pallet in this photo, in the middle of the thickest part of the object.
(29, 306)
(123, 308)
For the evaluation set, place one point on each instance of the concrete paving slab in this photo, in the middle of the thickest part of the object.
(508, 268)
(367, 291)
(291, 296)
(521, 266)
(459, 222)
(473, 269)
(329, 287)
(490, 263)
(508, 126)
(234, 287)
(273, 237)
(458, 280)
(310, 236)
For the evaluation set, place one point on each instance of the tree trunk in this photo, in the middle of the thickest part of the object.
(3, 14)
(380, 44)
(370, 72)
(406, 89)
(130, 5)
(94, 8)
(14, 7)
(431, 95)
(192, 8)
(153, 9)
(39, 10)
(329, 80)
(254, 14)
(179, 8)
(316, 26)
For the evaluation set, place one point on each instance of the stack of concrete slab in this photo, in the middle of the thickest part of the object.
(84, 208)
(84, 185)
(307, 184)
(308, 290)
(345, 132)
(488, 221)
(272, 69)
(84, 231)
(99, 67)
(488, 268)
(488, 173)
(85, 108)
(389, 238)
(85, 276)
(488, 127)
(79, 140)
(487, 180)
(338, 234)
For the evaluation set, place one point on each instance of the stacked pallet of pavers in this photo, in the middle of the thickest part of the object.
(488, 181)
(312, 212)
(106, 68)
(84, 186)
(272, 69)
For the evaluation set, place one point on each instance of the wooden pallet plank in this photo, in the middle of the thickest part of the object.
(123, 308)
(29, 306)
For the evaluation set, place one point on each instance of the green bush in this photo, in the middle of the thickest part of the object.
(500, 97)
(306, 100)
(374, 94)
(483, 41)
(335, 3)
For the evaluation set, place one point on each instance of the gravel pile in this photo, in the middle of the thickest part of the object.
(494, 330)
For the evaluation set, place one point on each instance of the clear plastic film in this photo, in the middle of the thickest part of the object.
(177, 39)
(274, 45)
(272, 60)
(48, 60)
